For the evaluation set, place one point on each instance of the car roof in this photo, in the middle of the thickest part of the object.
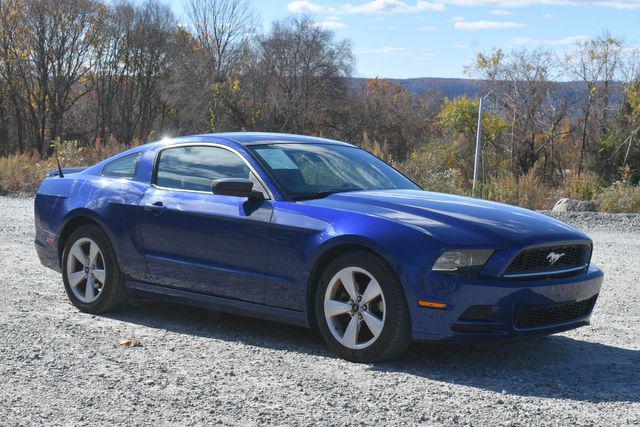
(255, 138)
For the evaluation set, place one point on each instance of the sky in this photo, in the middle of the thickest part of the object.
(437, 38)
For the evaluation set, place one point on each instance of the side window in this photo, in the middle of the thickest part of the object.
(196, 167)
(124, 167)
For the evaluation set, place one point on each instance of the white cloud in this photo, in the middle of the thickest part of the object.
(624, 4)
(331, 25)
(617, 4)
(399, 51)
(428, 29)
(392, 6)
(305, 6)
(383, 50)
(494, 3)
(501, 12)
(426, 5)
(457, 19)
(380, 6)
(548, 42)
(486, 25)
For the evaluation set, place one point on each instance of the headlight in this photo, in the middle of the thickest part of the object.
(464, 261)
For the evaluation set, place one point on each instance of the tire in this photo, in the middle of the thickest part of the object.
(102, 272)
(373, 341)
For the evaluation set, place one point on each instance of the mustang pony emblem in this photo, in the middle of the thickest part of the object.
(553, 257)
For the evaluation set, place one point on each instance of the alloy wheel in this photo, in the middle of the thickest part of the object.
(86, 271)
(354, 308)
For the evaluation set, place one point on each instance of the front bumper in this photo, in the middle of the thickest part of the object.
(504, 297)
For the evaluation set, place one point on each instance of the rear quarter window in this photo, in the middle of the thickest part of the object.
(124, 167)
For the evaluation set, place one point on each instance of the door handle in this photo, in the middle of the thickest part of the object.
(156, 208)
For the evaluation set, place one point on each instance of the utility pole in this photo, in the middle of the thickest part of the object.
(476, 162)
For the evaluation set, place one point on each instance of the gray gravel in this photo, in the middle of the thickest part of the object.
(59, 366)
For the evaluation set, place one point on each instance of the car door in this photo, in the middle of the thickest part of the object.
(199, 241)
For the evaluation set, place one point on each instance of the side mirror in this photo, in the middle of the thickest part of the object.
(236, 187)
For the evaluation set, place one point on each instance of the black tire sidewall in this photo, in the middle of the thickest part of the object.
(397, 319)
(112, 286)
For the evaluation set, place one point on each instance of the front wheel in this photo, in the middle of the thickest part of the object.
(361, 309)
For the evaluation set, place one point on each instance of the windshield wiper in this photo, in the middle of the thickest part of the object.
(322, 193)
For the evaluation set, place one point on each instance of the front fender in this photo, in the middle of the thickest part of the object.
(401, 247)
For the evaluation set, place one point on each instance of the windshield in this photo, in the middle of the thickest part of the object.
(306, 171)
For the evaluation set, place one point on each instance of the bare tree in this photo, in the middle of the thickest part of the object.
(107, 67)
(387, 113)
(11, 17)
(49, 55)
(594, 63)
(300, 71)
(141, 37)
(220, 30)
(534, 106)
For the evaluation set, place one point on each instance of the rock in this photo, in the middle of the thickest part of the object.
(571, 205)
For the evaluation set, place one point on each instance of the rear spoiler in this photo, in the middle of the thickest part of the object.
(66, 171)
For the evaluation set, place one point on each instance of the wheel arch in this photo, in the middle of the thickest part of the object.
(331, 252)
(77, 219)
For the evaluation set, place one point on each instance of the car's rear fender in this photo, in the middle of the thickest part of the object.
(112, 204)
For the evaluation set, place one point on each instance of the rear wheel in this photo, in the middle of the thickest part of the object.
(90, 271)
(361, 308)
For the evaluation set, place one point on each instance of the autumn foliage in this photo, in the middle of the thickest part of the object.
(107, 75)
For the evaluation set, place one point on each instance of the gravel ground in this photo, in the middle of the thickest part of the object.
(59, 366)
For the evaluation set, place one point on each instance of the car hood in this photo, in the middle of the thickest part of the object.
(453, 219)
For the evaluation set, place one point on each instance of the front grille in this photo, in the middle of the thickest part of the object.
(532, 317)
(549, 259)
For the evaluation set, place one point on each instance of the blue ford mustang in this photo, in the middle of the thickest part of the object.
(312, 232)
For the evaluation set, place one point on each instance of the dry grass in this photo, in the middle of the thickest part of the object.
(619, 198)
(23, 173)
(583, 187)
(527, 191)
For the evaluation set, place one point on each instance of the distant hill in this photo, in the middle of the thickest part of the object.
(449, 88)
(453, 88)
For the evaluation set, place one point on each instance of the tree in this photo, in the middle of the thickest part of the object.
(390, 115)
(48, 56)
(209, 55)
(595, 63)
(11, 17)
(141, 41)
(291, 79)
(535, 107)
(459, 118)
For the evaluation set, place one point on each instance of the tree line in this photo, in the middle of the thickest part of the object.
(128, 72)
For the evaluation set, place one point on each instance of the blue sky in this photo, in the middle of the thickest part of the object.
(437, 38)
